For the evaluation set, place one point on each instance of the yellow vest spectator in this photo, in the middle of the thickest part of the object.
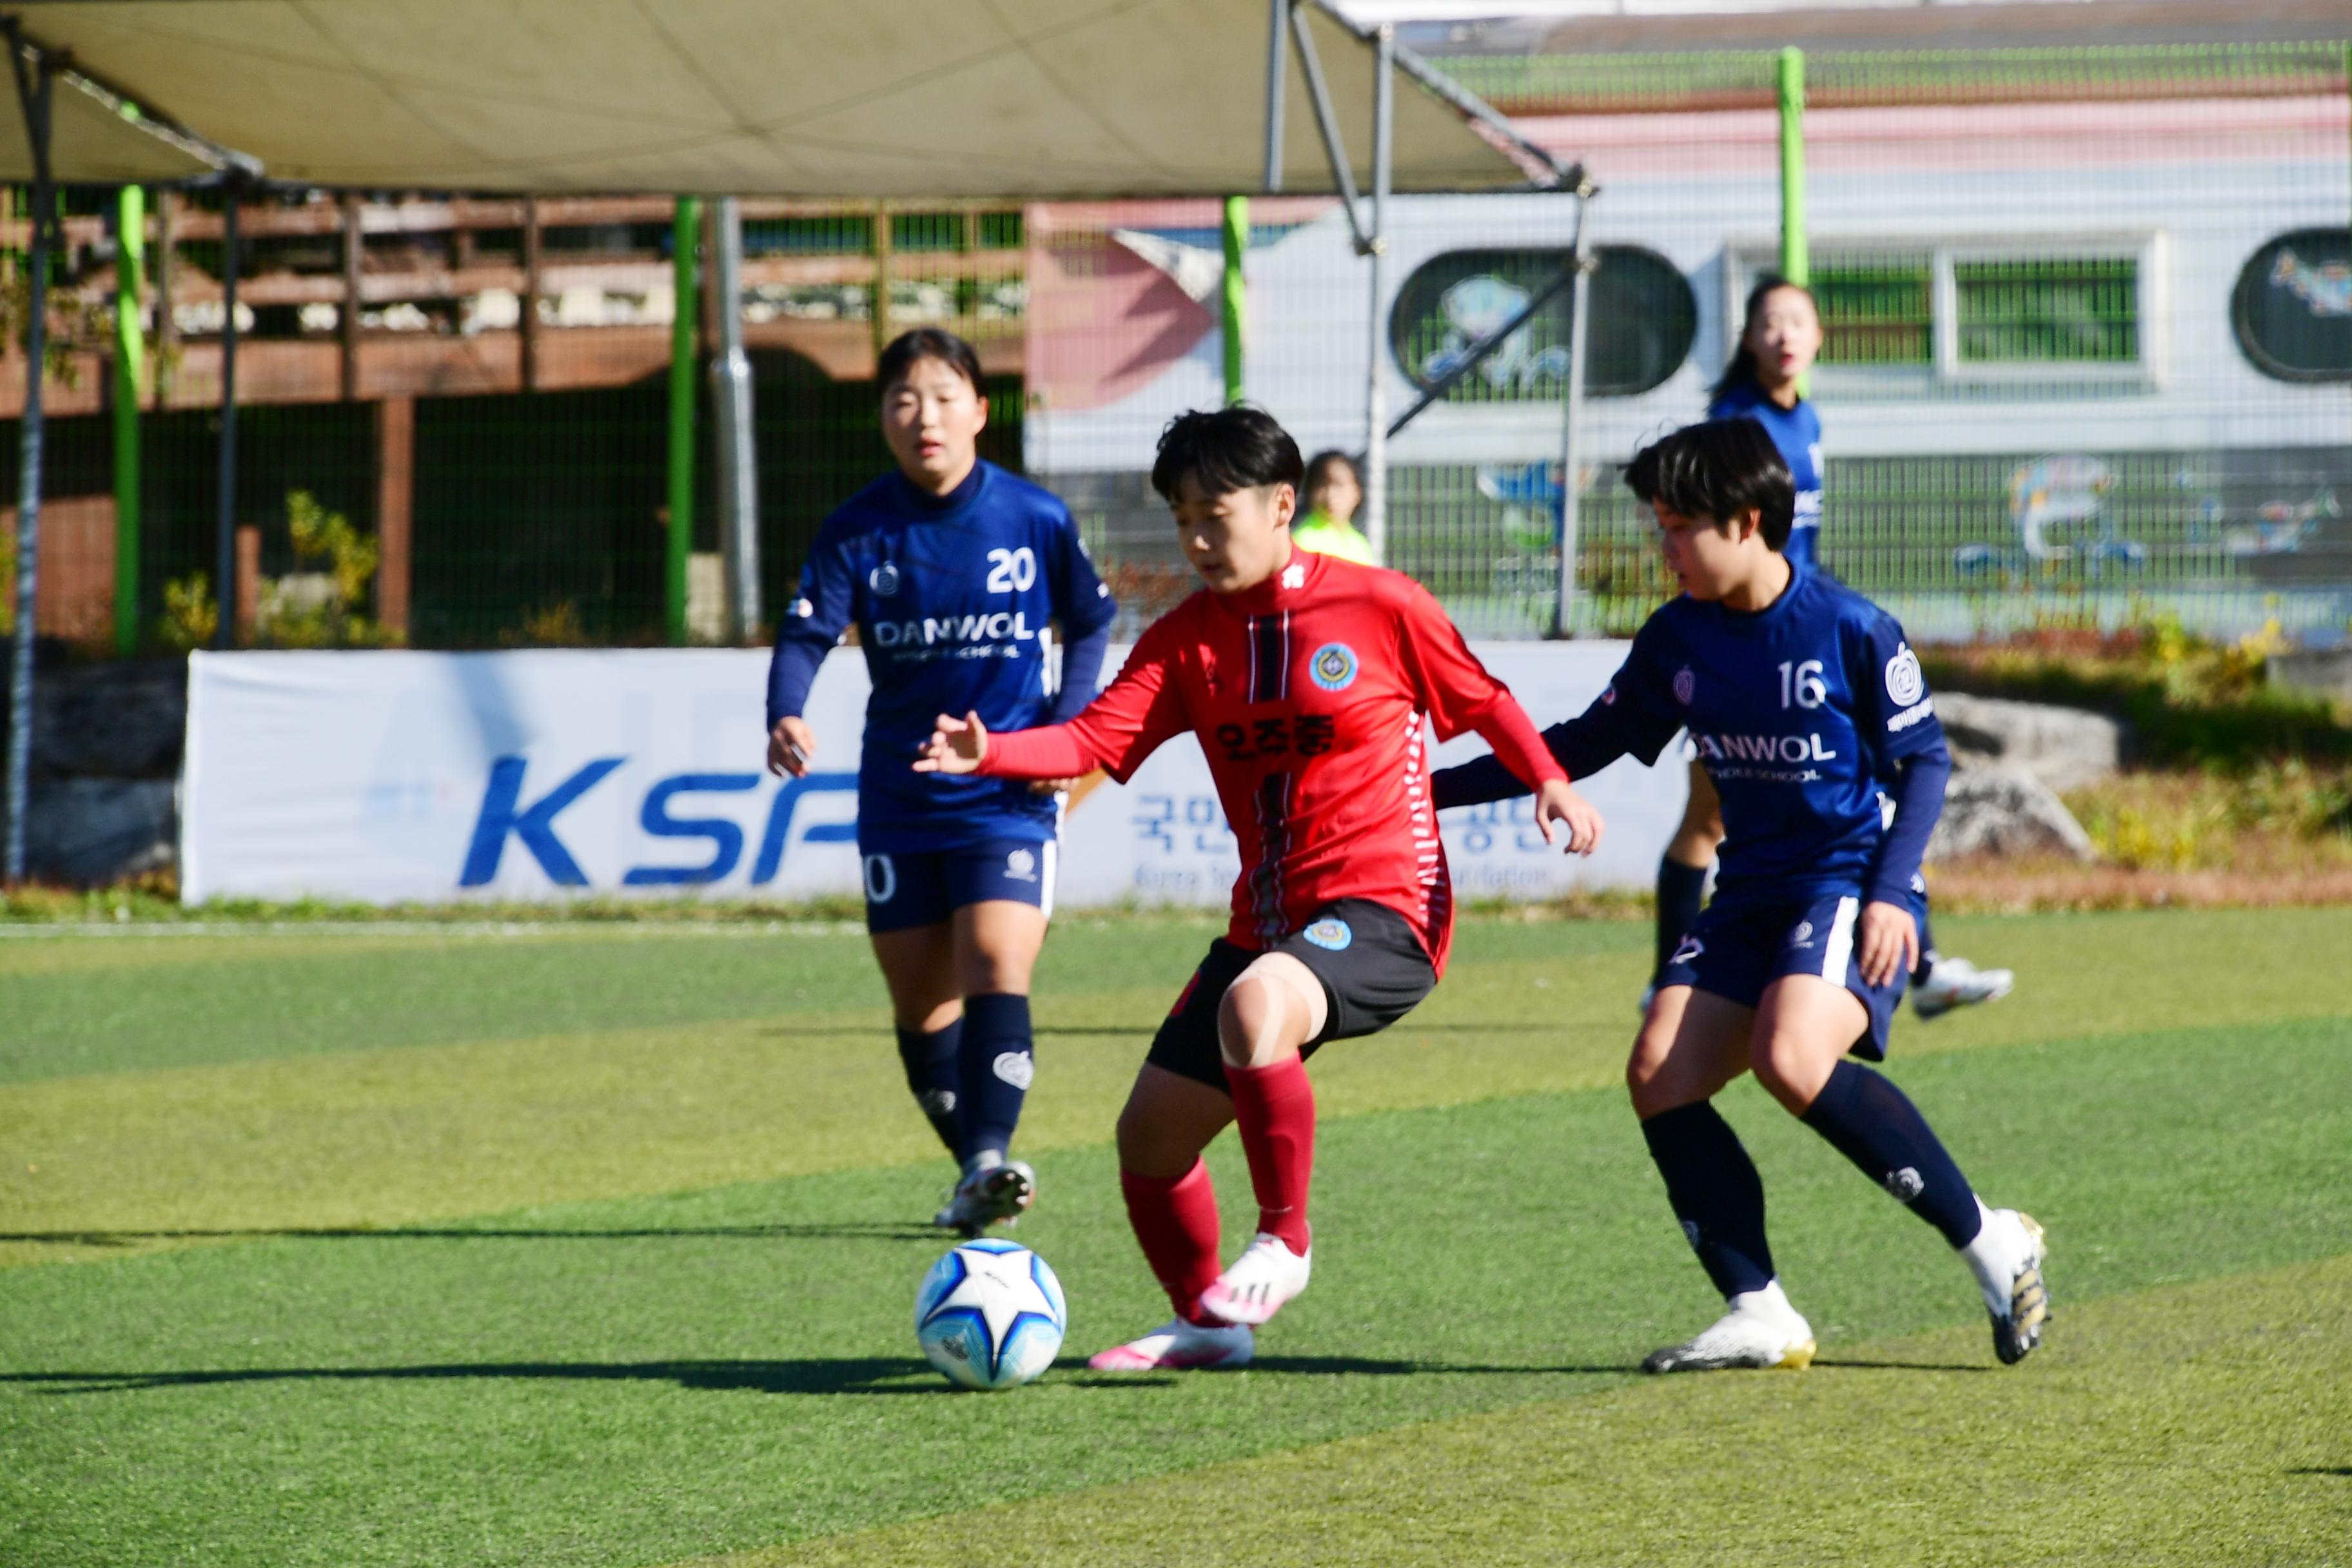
(1334, 490)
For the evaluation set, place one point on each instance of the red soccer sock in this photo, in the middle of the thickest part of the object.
(1275, 1108)
(1175, 1219)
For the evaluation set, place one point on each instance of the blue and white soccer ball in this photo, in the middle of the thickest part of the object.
(990, 1315)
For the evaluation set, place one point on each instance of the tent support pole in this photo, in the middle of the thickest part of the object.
(731, 399)
(224, 519)
(1277, 70)
(680, 542)
(33, 100)
(129, 345)
(1376, 407)
(1233, 297)
(1579, 315)
(1327, 125)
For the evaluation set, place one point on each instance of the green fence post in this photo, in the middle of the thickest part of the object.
(1235, 293)
(1795, 258)
(684, 230)
(1796, 249)
(129, 345)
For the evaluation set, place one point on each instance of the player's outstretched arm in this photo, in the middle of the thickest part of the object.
(956, 746)
(1560, 810)
(964, 746)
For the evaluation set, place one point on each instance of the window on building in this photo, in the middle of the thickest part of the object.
(2055, 313)
(1876, 309)
(2078, 311)
(2292, 308)
(1642, 312)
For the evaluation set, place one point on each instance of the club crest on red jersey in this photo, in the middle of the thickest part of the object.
(1333, 666)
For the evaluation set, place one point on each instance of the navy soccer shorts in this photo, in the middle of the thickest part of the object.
(925, 887)
(1373, 968)
(1736, 952)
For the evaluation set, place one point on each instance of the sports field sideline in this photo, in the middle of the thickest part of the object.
(584, 1245)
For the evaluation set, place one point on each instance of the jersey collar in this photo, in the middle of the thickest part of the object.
(925, 504)
(1299, 577)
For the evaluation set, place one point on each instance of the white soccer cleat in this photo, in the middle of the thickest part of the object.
(1181, 1346)
(1262, 1280)
(2016, 1298)
(997, 1193)
(1761, 1330)
(1954, 983)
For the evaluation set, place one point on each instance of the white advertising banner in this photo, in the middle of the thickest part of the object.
(397, 776)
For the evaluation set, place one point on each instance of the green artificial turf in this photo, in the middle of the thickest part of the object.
(696, 1355)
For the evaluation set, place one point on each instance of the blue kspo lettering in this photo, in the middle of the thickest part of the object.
(726, 838)
(779, 822)
(502, 814)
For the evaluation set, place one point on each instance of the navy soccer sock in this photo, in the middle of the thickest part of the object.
(1716, 1193)
(995, 1068)
(1927, 965)
(1873, 1123)
(1681, 892)
(930, 1060)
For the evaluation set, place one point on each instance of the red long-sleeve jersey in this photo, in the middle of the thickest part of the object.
(1310, 693)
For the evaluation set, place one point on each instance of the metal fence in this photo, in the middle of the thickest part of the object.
(2089, 358)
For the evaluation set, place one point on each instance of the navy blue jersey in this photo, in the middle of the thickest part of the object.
(1799, 711)
(951, 598)
(1797, 432)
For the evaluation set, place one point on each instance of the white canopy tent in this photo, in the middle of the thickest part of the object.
(916, 98)
(1042, 99)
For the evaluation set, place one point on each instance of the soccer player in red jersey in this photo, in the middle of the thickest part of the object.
(1310, 682)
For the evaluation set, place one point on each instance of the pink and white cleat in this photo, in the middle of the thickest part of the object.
(1262, 1280)
(1181, 1346)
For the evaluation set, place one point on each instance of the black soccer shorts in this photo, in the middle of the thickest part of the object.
(1373, 968)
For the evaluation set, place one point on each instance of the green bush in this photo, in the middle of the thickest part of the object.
(2188, 700)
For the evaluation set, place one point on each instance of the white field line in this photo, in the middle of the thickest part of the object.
(29, 930)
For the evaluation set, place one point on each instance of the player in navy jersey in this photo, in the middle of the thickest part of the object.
(1780, 336)
(1803, 699)
(953, 571)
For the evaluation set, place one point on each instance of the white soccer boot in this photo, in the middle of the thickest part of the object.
(1262, 1280)
(1761, 1330)
(1181, 1346)
(1954, 983)
(991, 1194)
(2006, 1257)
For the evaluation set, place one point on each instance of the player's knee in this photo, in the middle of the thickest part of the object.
(1784, 1064)
(1261, 1020)
(1647, 1080)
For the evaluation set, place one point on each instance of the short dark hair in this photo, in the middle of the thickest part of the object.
(1232, 448)
(1319, 466)
(925, 343)
(1718, 470)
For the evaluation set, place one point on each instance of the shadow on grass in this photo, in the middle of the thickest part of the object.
(848, 1374)
(903, 1231)
(1837, 1365)
(2343, 1471)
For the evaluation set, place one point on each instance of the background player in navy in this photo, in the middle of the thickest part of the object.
(952, 571)
(1780, 336)
(1801, 697)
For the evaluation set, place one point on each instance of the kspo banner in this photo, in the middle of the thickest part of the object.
(396, 776)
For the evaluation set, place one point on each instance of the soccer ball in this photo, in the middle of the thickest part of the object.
(990, 1315)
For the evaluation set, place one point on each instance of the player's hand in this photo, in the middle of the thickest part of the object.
(1559, 807)
(1889, 937)
(1051, 786)
(791, 747)
(956, 746)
